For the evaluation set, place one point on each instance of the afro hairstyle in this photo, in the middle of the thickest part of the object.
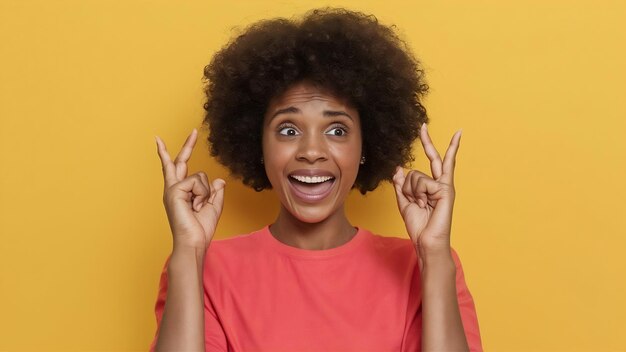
(348, 52)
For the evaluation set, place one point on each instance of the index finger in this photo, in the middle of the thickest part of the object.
(184, 154)
(431, 152)
(169, 170)
(449, 159)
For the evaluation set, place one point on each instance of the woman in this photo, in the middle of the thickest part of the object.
(312, 109)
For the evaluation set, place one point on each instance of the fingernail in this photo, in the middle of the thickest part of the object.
(420, 203)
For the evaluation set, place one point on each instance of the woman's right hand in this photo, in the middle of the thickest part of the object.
(193, 205)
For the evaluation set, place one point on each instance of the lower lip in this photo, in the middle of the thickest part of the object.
(308, 197)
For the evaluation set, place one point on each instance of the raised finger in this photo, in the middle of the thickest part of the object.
(184, 155)
(431, 152)
(169, 170)
(449, 160)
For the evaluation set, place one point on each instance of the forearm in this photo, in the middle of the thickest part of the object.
(442, 327)
(182, 324)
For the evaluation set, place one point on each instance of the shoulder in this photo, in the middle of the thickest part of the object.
(235, 240)
(394, 249)
(237, 243)
(403, 247)
(391, 243)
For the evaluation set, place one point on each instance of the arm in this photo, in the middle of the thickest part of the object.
(193, 207)
(426, 204)
(182, 325)
(441, 320)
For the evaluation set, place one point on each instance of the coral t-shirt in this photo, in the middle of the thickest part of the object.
(261, 294)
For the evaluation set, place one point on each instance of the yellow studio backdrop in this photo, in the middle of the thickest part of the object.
(537, 88)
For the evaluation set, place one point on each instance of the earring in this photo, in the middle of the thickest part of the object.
(362, 160)
(262, 161)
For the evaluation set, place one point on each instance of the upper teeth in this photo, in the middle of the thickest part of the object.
(313, 179)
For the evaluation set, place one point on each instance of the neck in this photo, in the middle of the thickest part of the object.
(331, 232)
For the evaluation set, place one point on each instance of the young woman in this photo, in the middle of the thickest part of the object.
(311, 109)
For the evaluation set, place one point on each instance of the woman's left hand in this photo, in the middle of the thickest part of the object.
(426, 203)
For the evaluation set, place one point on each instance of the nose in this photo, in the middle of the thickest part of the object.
(312, 148)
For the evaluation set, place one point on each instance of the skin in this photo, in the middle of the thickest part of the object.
(426, 205)
(300, 139)
(193, 207)
(331, 143)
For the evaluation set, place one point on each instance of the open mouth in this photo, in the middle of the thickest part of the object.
(311, 188)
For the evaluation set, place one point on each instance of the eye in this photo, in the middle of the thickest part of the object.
(337, 131)
(287, 131)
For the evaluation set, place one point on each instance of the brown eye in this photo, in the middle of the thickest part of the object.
(288, 131)
(337, 131)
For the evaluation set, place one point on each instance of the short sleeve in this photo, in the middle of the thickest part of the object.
(214, 337)
(467, 308)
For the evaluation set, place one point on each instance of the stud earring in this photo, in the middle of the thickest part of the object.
(262, 162)
(362, 160)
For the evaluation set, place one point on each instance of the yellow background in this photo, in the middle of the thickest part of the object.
(536, 86)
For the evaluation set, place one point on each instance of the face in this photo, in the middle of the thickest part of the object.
(311, 150)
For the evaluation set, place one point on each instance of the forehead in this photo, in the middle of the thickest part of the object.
(307, 93)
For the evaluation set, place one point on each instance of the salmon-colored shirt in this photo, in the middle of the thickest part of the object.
(261, 294)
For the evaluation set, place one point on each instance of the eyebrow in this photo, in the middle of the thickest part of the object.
(326, 113)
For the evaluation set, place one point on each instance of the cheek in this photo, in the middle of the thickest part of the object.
(276, 158)
(348, 158)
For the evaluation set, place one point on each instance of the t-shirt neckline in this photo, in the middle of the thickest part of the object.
(274, 244)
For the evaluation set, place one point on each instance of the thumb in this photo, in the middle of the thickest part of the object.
(398, 182)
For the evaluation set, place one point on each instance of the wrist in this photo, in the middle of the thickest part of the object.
(439, 270)
(187, 253)
(439, 274)
(186, 248)
(440, 260)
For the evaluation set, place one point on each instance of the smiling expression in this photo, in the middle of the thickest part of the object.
(311, 149)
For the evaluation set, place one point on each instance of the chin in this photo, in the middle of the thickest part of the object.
(311, 213)
(309, 216)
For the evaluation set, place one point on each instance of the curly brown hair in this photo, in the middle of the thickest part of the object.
(350, 53)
